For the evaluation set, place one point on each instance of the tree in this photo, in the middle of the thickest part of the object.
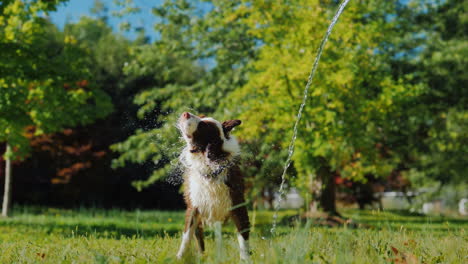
(78, 159)
(198, 59)
(371, 108)
(427, 134)
(43, 82)
(353, 95)
(443, 64)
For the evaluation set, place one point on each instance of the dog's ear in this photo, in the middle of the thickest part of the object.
(229, 125)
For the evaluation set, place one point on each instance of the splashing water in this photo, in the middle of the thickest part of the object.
(301, 108)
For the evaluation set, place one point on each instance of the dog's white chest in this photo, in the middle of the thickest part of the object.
(210, 196)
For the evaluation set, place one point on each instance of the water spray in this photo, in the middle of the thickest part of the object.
(299, 114)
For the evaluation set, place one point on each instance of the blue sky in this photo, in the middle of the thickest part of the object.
(72, 10)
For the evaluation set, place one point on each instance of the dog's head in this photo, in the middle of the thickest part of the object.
(208, 136)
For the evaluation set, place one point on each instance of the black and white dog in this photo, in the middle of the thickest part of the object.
(214, 185)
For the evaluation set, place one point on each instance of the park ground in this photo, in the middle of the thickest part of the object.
(50, 235)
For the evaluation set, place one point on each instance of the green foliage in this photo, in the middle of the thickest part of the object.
(429, 131)
(198, 59)
(351, 101)
(44, 78)
(448, 148)
(388, 95)
(107, 53)
(444, 65)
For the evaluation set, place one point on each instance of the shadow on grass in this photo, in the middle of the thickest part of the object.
(115, 231)
(405, 217)
(104, 230)
(395, 219)
(405, 213)
(119, 225)
(425, 221)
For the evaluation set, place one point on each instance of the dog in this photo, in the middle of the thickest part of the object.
(213, 183)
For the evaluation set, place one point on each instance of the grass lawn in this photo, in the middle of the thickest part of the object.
(47, 235)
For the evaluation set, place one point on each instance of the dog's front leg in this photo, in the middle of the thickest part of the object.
(241, 220)
(191, 222)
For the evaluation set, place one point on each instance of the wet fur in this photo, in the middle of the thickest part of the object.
(213, 183)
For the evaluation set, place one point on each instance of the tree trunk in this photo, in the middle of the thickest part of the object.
(7, 192)
(328, 195)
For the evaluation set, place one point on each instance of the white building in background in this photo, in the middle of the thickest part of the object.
(396, 200)
(432, 207)
(390, 200)
(462, 206)
(291, 200)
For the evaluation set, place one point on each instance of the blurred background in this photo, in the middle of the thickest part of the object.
(90, 91)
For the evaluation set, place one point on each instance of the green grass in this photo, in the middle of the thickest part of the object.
(47, 235)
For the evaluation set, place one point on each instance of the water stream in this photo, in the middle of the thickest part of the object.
(299, 114)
